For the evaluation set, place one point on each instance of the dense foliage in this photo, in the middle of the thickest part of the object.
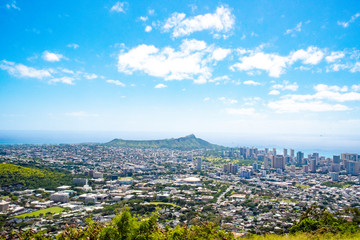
(318, 220)
(183, 143)
(11, 175)
(124, 226)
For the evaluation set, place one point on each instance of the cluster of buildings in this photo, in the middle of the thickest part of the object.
(267, 195)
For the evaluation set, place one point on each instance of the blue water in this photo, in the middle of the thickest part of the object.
(325, 145)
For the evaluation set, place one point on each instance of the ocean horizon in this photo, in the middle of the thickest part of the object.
(324, 145)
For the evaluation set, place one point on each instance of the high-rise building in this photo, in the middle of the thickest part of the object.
(336, 159)
(285, 152)
(267, 163)
(274, 151)
(313, 165)
(292, 153)
(334, 176)
(306, 168)
(278, 161)
(198, 164)
(299, 157)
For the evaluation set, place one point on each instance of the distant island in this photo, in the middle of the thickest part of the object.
(189, 142)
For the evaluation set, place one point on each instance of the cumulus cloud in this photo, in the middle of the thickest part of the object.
(346, 24)
(251, 82)
(160, 85)
(222, 21)
(119, 7)
(51, 57)
(274, 64)
(116, 82)
(312, 55)
(274, 92)
(206, 99)
(292, 106)
(148, 28)
(20, 70)
(286, 86)
(316, 102)
(192, 61)
(65, 80)
(90, 76)
(334, 56)
(220, 54)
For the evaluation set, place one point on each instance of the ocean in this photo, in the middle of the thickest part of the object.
(324, 145)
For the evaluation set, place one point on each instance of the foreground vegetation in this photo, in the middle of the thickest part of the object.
(315, 223)
(30, 177)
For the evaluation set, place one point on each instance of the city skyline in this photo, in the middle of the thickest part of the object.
(246, 68)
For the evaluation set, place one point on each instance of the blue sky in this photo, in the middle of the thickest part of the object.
(254, 68)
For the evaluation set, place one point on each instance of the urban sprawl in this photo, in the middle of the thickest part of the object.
(244, 190)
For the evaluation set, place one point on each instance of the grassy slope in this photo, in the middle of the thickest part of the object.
(51, 210)
(11, 174)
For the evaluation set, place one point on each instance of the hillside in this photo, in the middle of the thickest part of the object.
(11, 174)
(184, 143)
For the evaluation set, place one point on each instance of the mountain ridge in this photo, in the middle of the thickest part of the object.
(189, 142)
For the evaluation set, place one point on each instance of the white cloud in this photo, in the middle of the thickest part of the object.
(20, 70)
(144, 19)
(90, 76)
(73, 45)
(227, 100)
(241, 111)
(221, 78)
(334, 56)
(251, 82)
(292, 106)
(65, 80)
(355, 87)
(116, 82)
(220, 21)
(220, 53)
(275, 64)
(119, 7)
(51, 57)
(206, 99)
(286, 86)
(346, 24)
(148, 28)
(355, 68)
(315, 102)
(271, 63)
(12, 5)
(193, 61)
(81, 114)
(151, 12)
(160, 85)
(296, 29)
(274, 92)
(312, 55)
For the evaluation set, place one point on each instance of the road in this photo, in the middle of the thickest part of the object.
(223, 194)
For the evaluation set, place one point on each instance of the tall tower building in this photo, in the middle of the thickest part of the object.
(292, 153)
(299, 157)
(313, 165)
(285, 152)
(198, 163)
(278, 161)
